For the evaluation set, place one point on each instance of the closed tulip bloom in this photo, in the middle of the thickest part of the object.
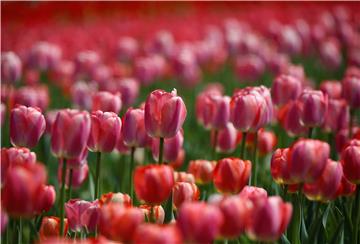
(82, 215)
(118, 198)
(133, 129)
(235, 211)
(27, 125)
(50, 227)
(226, 139)
(199, 222)
(184, 192)
(32, 96)
(342, 138)
(172, 147)
(119, 223)
(127, 48)
(350, 159)
(231, 175)
(158, 213)
(44, 56)
(79, 175)
(325, 187)
(86, 63)
(153, 183)
(23, 184)
(285, 88)
(351, 91)
(313, 107)
(307, 160)
(253, 193)
(129, 89)
(50, 117)
(346, 188)
(289, 118)
(11, 67)
(280, 167)
(157, 234)
(249, 67)
(164, 114)
(70, 133)
(46, 198)
(202, 170)
(266, 141)
(81, 94)
(106, 102)
(269, 219)
(184, 177)
(179, 161)
(332, 88)
(105, 131)
(337, 117)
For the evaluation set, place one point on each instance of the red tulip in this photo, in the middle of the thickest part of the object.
(202, 170)
(337, 117)
(179, 161)
(351, 91)
(346, 188)
(10, 67)
(164, 114)
(27, 125)
(50, 227)
(313, 107)
(70, 133)
(199, 222)
(253, 193)
(119, 223)
(280, 167)
(249, 67)
(342, 138)
(266, 141)
(118, 198)
(231, 175)
(332, 88)
(350, 159)
(79, 174)
(46, 198)
(269, 219)
(325, 187)
(158, 213)
(133, 130)
(82, 215)
(153, 183)
(105, 131)
(184, 192)
(285, 88)
(151, 233)
(106, 102)
(289, 118)
(172, 147)
(32, 96)
(183, 177)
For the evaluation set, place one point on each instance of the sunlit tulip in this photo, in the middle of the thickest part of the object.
(153, 183)
(133, 129)
(11, 67)
(118, 198)
(164, 114)
(82, 215)
(332, 88)
(154, 214)
(50, 227)
(313, 107)
(351, 91)
(253, 193)
(202, 170)
(280, 166)
(231, 175)
(350, 159)
(27, 125)
(172, 147)
(151, 233)
(185, 192)
(285, 88)
(106, 102)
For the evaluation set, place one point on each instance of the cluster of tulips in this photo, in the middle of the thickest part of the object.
(281, 161)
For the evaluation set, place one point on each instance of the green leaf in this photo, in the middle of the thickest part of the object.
(338, 236)
(284, 240)
(91, 186)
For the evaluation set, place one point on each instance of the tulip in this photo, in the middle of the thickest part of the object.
(118, 198)
(153, 183)
(285, 88)
(330, 53)
(253, 193)
(50, 227)
(249, 67)
(179, 161)
(325, 187)
(82, 215)
(342, 138)
(151, 233)
(129, 90)
(226, 139)
(313, 108)
(78, 175)
(32, 96)
(106, 102)
(86, 63)
(346, 188)
(269, 219)
(119, 223)
(81, 94)
(44, 56)
(172, 147)
(337, 117)
(289, 118)
(154, 214)
(46, 198)
(10, 67)
(164, 114)
(184, 192)
(202, 170)
(231, 175)
(332, 88)
(280, 167)
(4, 219)
(27, 124)
(183, 177)
(350, 160)
(50, 117)
(127, 48)
(199, 222)
(133, 130)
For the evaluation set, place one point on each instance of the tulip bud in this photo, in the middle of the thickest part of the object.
(82, 215)
(184, 192)
(337, 117)
(118, 198)
(10, 67)
(202, 170)
(50, 227)
(325, 187)
(172, 147)
(285, 88)
(313, 107)
(32, 96)
(226, 139)
(183, 177)
(350, 160)
(199, 222)
(332, 88)
(351, 91)
(289, 118)
(253, 193)
(153, 183)
(119, 223)
(106, 102)
(158, 213)
(151, 233)
(164, 114)
(133, 130)
(231, 175)
(46, 198)
(105, 131)
(269, 219)
(79, 174)
(27, 124)
(70, 133)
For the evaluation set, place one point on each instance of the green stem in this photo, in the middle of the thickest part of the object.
(255, 166)
(70, 184)
(20, 231)
(169, 209)
(294, 228)
(97, 175)
(131, 169)
(242, 147)
(216, 132)
(62, 197)
(161, 149)
(311, 129)
(356, 212)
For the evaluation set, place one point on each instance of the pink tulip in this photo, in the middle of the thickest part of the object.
(350, 159)
(249, 68)
(107, 102)
(133, 130)
(32, 96)
(10, 67)
(27, 125)
(351, 91)
(44, 56)
(86, 63)
(46, 198)
(4, 219)
(172, 147)
(129, 89)
(285, 88)
(253, 193)
(82, 215)
(332, 88)
(289, 118)
(127, 49)
(337, 117)
(79, 174)
(81, 94)
(313, 107)
(226, 139)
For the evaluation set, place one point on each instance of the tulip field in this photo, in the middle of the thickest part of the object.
(180, 122)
